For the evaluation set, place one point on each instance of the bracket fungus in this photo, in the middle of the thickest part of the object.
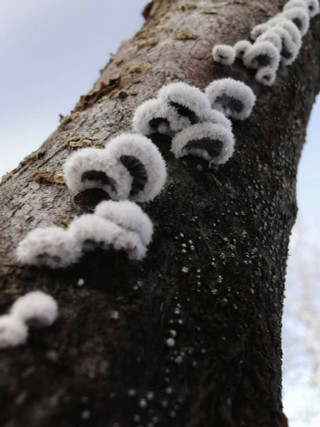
(13, 331)
(127, 215)
(224, 53)
(262, 54)
(241, 47)
(299, 17)
(231, 97)
(151, 117)
(35, 309)
(113, 226)
(90, 232)
(279, 38)
(129, 167)
(143, 161)
(47, 246)
(189, 103)
(94, 168)
(211, 142)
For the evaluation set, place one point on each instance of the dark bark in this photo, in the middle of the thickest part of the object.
(222, 296)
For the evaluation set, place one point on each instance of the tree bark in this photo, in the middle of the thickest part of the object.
(214, 275)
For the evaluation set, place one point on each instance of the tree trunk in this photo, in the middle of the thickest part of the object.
(214, 275)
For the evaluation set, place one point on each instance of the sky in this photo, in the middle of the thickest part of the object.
(51, 53)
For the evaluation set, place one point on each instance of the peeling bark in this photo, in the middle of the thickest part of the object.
(214, 276)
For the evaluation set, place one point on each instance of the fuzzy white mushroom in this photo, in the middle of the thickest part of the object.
(295, 3)
(289, 26)
(241, 47)
(127, 215)
(152, 117)
(233, 98)
(299, 17)
(94, 168)
(49, 246)
(259, 29)
(313, 7)
(35, 309)
(208, 141)
(218, 118)
(143, 161)
(224, 53)
(271, 36)
(90, 232)
(13, 331)
(188, 105)
(310, 6)
(290, 49)
(262, 54)
(266, 76)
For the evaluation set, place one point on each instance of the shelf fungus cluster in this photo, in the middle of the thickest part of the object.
(130, 167)
(35, 309)
(274, 42)
(118, 226)
(197, 122)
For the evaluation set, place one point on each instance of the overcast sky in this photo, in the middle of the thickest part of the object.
(51, 51)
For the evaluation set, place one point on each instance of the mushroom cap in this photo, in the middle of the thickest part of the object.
(36, 309)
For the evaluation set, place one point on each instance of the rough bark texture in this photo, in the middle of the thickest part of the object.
(225, 306)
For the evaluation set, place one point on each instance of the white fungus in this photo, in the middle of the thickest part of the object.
(290, 27)
(208, 141)
(299, 17)
(188, 105)
(271, 36)
(259, 29)
(296, 3)
(290, 49)
(233, 98)
(127, 215)
(36, 309)
(262, 54)
(278, 38)
(130, 166)
(223, 53)
(218, 118)
(310, 6)
(152, 117)
(266, 76)
(94, 168)
(241, 47)
(50, 246)
(90, 232)
(13, 331)
(313, 7)
(118, 226)
(143, 161)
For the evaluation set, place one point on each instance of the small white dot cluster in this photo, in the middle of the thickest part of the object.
(276, 41)
(129, 167)
(35, 309)
(113, 226)
(197, 122)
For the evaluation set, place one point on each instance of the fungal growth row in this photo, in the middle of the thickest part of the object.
(35, 309)
(197, 122)
(118, 226)
(131, 169)
(277, 41)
